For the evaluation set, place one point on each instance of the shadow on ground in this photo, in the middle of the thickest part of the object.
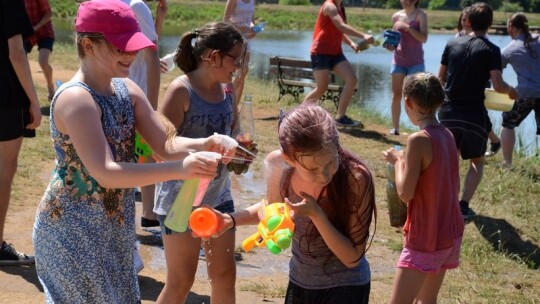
(26, 272)
(150, 289)
(506, 239)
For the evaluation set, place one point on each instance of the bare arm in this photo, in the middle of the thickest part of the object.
(421, 34)
(229, 9)
(409, 165)
(77, 115)
(501, 86)
(442, 74)
(331, 11)
(19, 61)
(161, 14)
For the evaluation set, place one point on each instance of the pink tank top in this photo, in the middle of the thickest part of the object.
(433, 217)
(409, 51)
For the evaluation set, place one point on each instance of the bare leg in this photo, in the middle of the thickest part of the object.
(321, 79)
(9, 153)
(43, 60)
(493, 138)
(397, 87)
(508, 140)
(430, 289)
(181, 257)
(221, 267)
(473, 178)
(407, 284)
(345, 71)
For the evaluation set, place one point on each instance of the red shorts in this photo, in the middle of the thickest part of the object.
(432, 261)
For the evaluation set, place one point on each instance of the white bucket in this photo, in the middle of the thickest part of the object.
(497, 101)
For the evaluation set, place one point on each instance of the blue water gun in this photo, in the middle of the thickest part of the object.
(391, 38)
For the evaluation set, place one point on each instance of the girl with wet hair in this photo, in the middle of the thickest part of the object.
(200, 103)
(331, 194)
(427, 180)
(522, 53)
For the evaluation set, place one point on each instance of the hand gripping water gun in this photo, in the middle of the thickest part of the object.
(275, 230)
(142, 149)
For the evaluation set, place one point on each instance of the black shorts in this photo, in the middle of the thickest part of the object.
(520, 111)
(13, 124)
(470, 130)
(326, 62)
(43, 43)
(342, 295)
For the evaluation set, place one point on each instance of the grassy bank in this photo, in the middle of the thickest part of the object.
(501, 247)
(187, 13)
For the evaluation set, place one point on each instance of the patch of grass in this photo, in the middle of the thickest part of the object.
(265, 290)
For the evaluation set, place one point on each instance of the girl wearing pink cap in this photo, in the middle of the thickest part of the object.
(85, 224)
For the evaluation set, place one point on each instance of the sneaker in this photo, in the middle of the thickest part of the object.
(493, 149)
(345, 121)
(466, 212)
(394, 131)
(10, 256)
(148, 222)
(137, 261)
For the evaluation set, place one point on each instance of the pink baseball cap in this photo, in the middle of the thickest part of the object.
(115, 21)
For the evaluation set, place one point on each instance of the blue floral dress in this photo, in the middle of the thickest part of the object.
(84, 234)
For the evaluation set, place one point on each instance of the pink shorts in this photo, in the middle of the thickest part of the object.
(431, 261)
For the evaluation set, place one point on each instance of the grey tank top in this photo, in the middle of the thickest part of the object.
(202, 119)
(310, 266)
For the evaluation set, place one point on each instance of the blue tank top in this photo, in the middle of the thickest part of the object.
(202, 119)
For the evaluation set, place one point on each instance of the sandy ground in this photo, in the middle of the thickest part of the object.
(259, 269)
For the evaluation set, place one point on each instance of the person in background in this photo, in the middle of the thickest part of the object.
(408, 58)
(332, 197)
(464, 28)
(522, 53)
(241, 13)
(467, 63)
(433, 231)
(85, 223)
(39, 12)
(20, 113)
(161, 13)
(331, 30)
(201, 103)
(145, 72)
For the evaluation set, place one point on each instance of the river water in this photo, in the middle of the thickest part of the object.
(371, 66)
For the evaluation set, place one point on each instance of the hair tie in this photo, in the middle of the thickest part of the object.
(196, 32)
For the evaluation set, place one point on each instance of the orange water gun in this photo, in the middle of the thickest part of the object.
(275, 230)
(203, 222)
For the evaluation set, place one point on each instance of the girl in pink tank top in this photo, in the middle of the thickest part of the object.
(408, 58)
(427, 179)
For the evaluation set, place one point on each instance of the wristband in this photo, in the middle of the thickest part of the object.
(233, 221)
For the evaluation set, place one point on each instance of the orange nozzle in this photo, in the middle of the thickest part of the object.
(203, 222)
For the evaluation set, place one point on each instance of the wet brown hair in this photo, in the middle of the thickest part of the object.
(307, 129)
(480, 16)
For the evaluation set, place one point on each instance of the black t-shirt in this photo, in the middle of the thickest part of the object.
(469, 60)
(13, 21)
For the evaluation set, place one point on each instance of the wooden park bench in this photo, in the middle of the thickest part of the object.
(294, 74)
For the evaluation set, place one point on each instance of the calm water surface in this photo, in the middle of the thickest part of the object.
(371, 66)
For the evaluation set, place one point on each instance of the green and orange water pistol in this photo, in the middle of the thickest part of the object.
(142, 149)
(275, 230)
